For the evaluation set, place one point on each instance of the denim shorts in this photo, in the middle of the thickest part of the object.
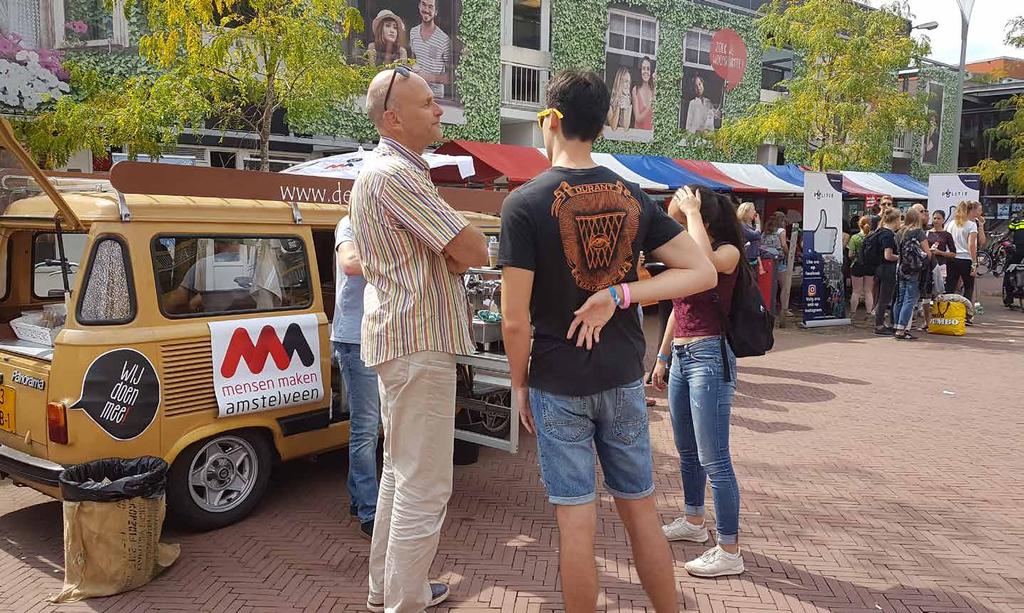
(571, 428)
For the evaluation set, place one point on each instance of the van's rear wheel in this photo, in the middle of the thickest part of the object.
(218, 481)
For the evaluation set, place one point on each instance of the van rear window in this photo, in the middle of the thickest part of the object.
(217, 275)
(47, 276)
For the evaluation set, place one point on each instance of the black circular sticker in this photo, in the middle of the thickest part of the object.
(121, 393)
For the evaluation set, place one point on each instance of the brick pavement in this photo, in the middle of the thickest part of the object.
(875, 476)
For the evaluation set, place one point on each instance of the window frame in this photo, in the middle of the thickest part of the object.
(686, 38)
(120, 31)
(187, 235)
(627, 15)
(32, 259)
(133, 302)
(9, 267)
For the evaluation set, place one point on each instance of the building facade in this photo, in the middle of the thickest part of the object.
(677, 69)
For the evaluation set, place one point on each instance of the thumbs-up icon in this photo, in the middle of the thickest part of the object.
(824, 236)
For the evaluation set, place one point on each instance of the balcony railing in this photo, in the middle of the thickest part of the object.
(903, 144)
(523, 86)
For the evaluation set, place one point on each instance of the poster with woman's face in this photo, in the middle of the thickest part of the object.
(702, 99)
(930, 142)
(424, 33)
(630, 80)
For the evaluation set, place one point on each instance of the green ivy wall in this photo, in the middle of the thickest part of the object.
(578, 41)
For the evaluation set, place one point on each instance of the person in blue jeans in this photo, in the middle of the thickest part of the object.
(570, 245)
(360, 381)
(702, 382)
(908, 291)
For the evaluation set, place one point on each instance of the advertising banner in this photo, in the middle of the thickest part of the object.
(931, 142)
(426, 31)
(945, 191)
(631, 50)
(265, 363)
(824, 290)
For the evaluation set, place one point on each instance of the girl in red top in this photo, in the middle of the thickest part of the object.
(700, 397)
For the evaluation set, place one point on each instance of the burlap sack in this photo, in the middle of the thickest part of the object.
(113, 547)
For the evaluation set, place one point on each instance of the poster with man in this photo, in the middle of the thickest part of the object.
(930, 143)
(424, 33)
(630, 62)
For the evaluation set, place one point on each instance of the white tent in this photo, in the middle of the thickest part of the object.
(348, 165)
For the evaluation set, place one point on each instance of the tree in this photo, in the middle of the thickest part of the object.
(844, 104)
(229, 64)
(1009, 134)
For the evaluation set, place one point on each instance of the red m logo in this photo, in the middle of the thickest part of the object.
(267, 345)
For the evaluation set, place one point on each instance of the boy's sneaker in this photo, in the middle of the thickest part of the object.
(715, 562)
(682, 530)
(439, 592)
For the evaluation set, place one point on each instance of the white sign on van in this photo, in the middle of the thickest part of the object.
(266, 363)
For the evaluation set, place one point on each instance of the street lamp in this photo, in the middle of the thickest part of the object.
(966, 6)
(928, 25)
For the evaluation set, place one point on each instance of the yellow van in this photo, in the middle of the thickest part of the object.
(138, 320)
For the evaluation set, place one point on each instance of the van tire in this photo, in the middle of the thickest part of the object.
(232, 471)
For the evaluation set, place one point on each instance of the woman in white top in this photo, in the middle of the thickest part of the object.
(700, 115)
(965, 236)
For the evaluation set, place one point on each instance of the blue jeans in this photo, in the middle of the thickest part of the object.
(364, 428)
(700, 400)
(569, 428)
(907, 295)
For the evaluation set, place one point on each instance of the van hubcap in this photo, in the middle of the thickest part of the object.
(223, 474)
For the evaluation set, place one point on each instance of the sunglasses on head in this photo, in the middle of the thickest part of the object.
(549, 111)
(399, 70)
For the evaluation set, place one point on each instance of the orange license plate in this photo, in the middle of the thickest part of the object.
(7, 408)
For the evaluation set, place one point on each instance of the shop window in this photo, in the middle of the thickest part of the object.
(109, 295)
(46, 269)
(218, 275)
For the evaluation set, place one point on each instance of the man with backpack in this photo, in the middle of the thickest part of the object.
(569, 251)
(913, 261)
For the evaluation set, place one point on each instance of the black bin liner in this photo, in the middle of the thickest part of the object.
(144, 477)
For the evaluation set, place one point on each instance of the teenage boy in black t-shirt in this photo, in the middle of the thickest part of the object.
(570, 240)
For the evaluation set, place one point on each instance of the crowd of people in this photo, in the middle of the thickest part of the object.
(897, 258)
(572, 336)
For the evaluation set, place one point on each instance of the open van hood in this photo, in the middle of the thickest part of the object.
(17, 167)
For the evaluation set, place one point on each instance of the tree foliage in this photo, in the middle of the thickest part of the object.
(227, 64)
(1008, 135)
(844, 104)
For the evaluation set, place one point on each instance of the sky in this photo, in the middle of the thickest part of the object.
(984, 37)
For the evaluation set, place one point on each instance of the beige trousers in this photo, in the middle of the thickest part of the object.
(418, 413)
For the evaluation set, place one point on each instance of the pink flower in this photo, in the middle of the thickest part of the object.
(10, 45)
(78, 27)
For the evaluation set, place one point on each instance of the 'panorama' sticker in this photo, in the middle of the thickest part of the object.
(121, 393)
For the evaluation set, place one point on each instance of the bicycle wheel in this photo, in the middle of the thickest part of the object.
(998, 262)
(984, 263)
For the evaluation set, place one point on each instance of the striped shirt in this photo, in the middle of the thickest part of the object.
(433, 55)
(401, 226)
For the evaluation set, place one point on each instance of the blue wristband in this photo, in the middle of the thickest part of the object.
(615, 296)
(664, 358)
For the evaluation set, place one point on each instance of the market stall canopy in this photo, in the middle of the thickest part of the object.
(872, 183)
(348, 165)
(668, 172)
(760, 176)
(708, 171)
(517, 164)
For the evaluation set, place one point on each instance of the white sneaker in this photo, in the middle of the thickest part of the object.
(682, 530)
(715, 562)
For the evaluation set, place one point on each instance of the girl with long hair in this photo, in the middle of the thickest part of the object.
(963, 267)
(775, 246)
(863, 279)
(643, 96)
(620, 111)
(909, 285)
(750, 224)
(389, 39)
(700, 395)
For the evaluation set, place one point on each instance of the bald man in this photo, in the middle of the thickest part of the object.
(414, 249)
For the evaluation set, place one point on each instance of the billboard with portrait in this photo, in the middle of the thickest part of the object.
(703, 96)
(424, 33)
(930, 143)
(631, 50)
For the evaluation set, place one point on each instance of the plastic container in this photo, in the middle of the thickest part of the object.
(29, 328)
(492, 251)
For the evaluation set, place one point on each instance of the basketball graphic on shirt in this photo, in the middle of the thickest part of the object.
(598, 223)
